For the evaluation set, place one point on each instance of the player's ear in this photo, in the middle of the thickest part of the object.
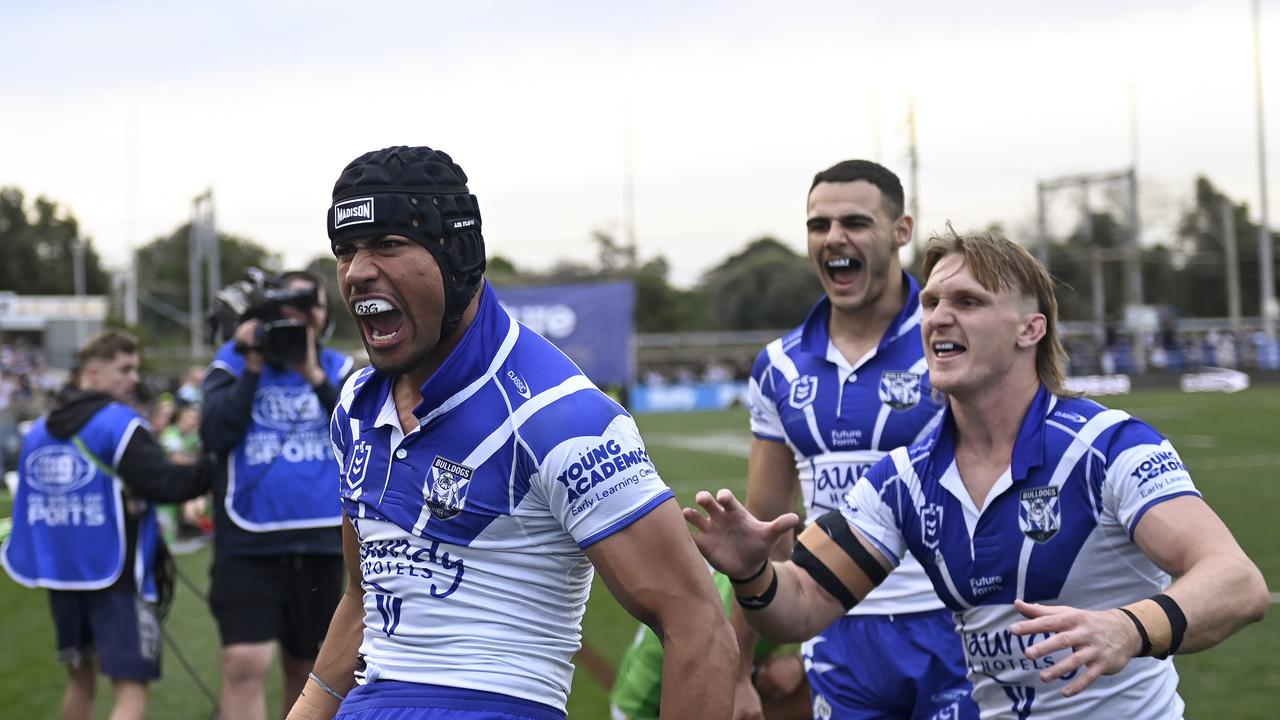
(902, 230)
(1032, 331)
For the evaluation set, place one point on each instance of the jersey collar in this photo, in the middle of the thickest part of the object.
(1028, 448)
(815, 333)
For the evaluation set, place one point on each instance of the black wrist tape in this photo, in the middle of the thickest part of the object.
(754, 575)
(761, 601)
(1142, 633)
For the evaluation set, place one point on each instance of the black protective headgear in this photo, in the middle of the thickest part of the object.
(421, 194)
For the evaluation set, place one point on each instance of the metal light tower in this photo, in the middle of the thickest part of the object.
(202, 241)
(1131, 254)
(1265, 254)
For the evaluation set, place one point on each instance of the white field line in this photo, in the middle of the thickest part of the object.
(722, 443)
(1238, 461)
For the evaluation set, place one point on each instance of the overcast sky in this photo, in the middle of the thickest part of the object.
(123, 111)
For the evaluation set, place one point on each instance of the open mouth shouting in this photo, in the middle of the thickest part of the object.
(842, 270)
(380, 321)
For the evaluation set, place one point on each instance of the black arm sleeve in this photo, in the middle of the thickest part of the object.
(327, 392)
(228, 407)
(146, 470)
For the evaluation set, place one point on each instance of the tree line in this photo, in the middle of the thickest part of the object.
(764, 285)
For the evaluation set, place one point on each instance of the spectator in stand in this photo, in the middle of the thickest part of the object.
(189, 392)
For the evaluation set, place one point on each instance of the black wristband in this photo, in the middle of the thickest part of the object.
(761, 601)
(754, 575)
(1177, 621)
(1142, 633)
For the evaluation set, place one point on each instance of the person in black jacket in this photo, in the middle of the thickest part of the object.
(277, 550)
(92, 541)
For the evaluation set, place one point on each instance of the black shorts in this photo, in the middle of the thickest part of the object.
(289, 598)
(115, 624)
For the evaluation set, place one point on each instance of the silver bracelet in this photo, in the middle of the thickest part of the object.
(325, 687)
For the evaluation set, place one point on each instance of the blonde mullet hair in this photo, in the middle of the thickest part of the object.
(998, 263)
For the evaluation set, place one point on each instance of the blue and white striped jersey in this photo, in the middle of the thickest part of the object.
(473, 526)
(1056, 528)
(839, 419)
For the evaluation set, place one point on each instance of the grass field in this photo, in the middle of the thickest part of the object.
(1228, 441)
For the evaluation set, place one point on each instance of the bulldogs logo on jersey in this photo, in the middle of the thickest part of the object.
(900, 390)
(803, 391)
(931, 525)
(449, 484)
(1038, 513)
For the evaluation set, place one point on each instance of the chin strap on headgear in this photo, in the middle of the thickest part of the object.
(421, 194)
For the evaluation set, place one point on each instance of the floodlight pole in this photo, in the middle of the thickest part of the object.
(1131, 253)
(913, 157)
(1227, 213)
(1265, 254)
(202, 240)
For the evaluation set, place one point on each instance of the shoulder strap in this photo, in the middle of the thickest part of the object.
(88, 454)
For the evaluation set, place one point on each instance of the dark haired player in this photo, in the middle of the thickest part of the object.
(484, 480)
(827, 402)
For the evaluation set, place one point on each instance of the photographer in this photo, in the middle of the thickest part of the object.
(277, 561)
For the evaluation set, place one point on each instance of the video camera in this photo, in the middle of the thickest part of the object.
(283, 341)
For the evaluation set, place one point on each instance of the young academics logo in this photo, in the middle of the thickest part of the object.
(803, 391)
(1039, 516)
(900, 390)
(449, 485)
(353, 212)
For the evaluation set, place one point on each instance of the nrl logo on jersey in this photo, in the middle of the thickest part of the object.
(803, 391)
(931, 525)
(900, 390)
(359, 465)
(450, 482)
(1039, 516)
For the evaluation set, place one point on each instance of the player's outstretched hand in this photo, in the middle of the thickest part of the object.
(730, 537)
(1101, 642)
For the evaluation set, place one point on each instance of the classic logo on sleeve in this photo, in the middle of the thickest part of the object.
(803, 391)
(521, 386)
(900, 390)
(450, 482)
(1038, 513)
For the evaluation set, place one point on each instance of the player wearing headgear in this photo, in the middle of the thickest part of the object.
(828, 400)
(483, 477)
(1049, 524)
(84, 527)
(277, 550)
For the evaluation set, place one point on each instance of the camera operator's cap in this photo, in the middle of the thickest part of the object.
(421, 194)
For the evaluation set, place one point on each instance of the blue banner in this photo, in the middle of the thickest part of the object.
(591, 322)
(687, 397)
